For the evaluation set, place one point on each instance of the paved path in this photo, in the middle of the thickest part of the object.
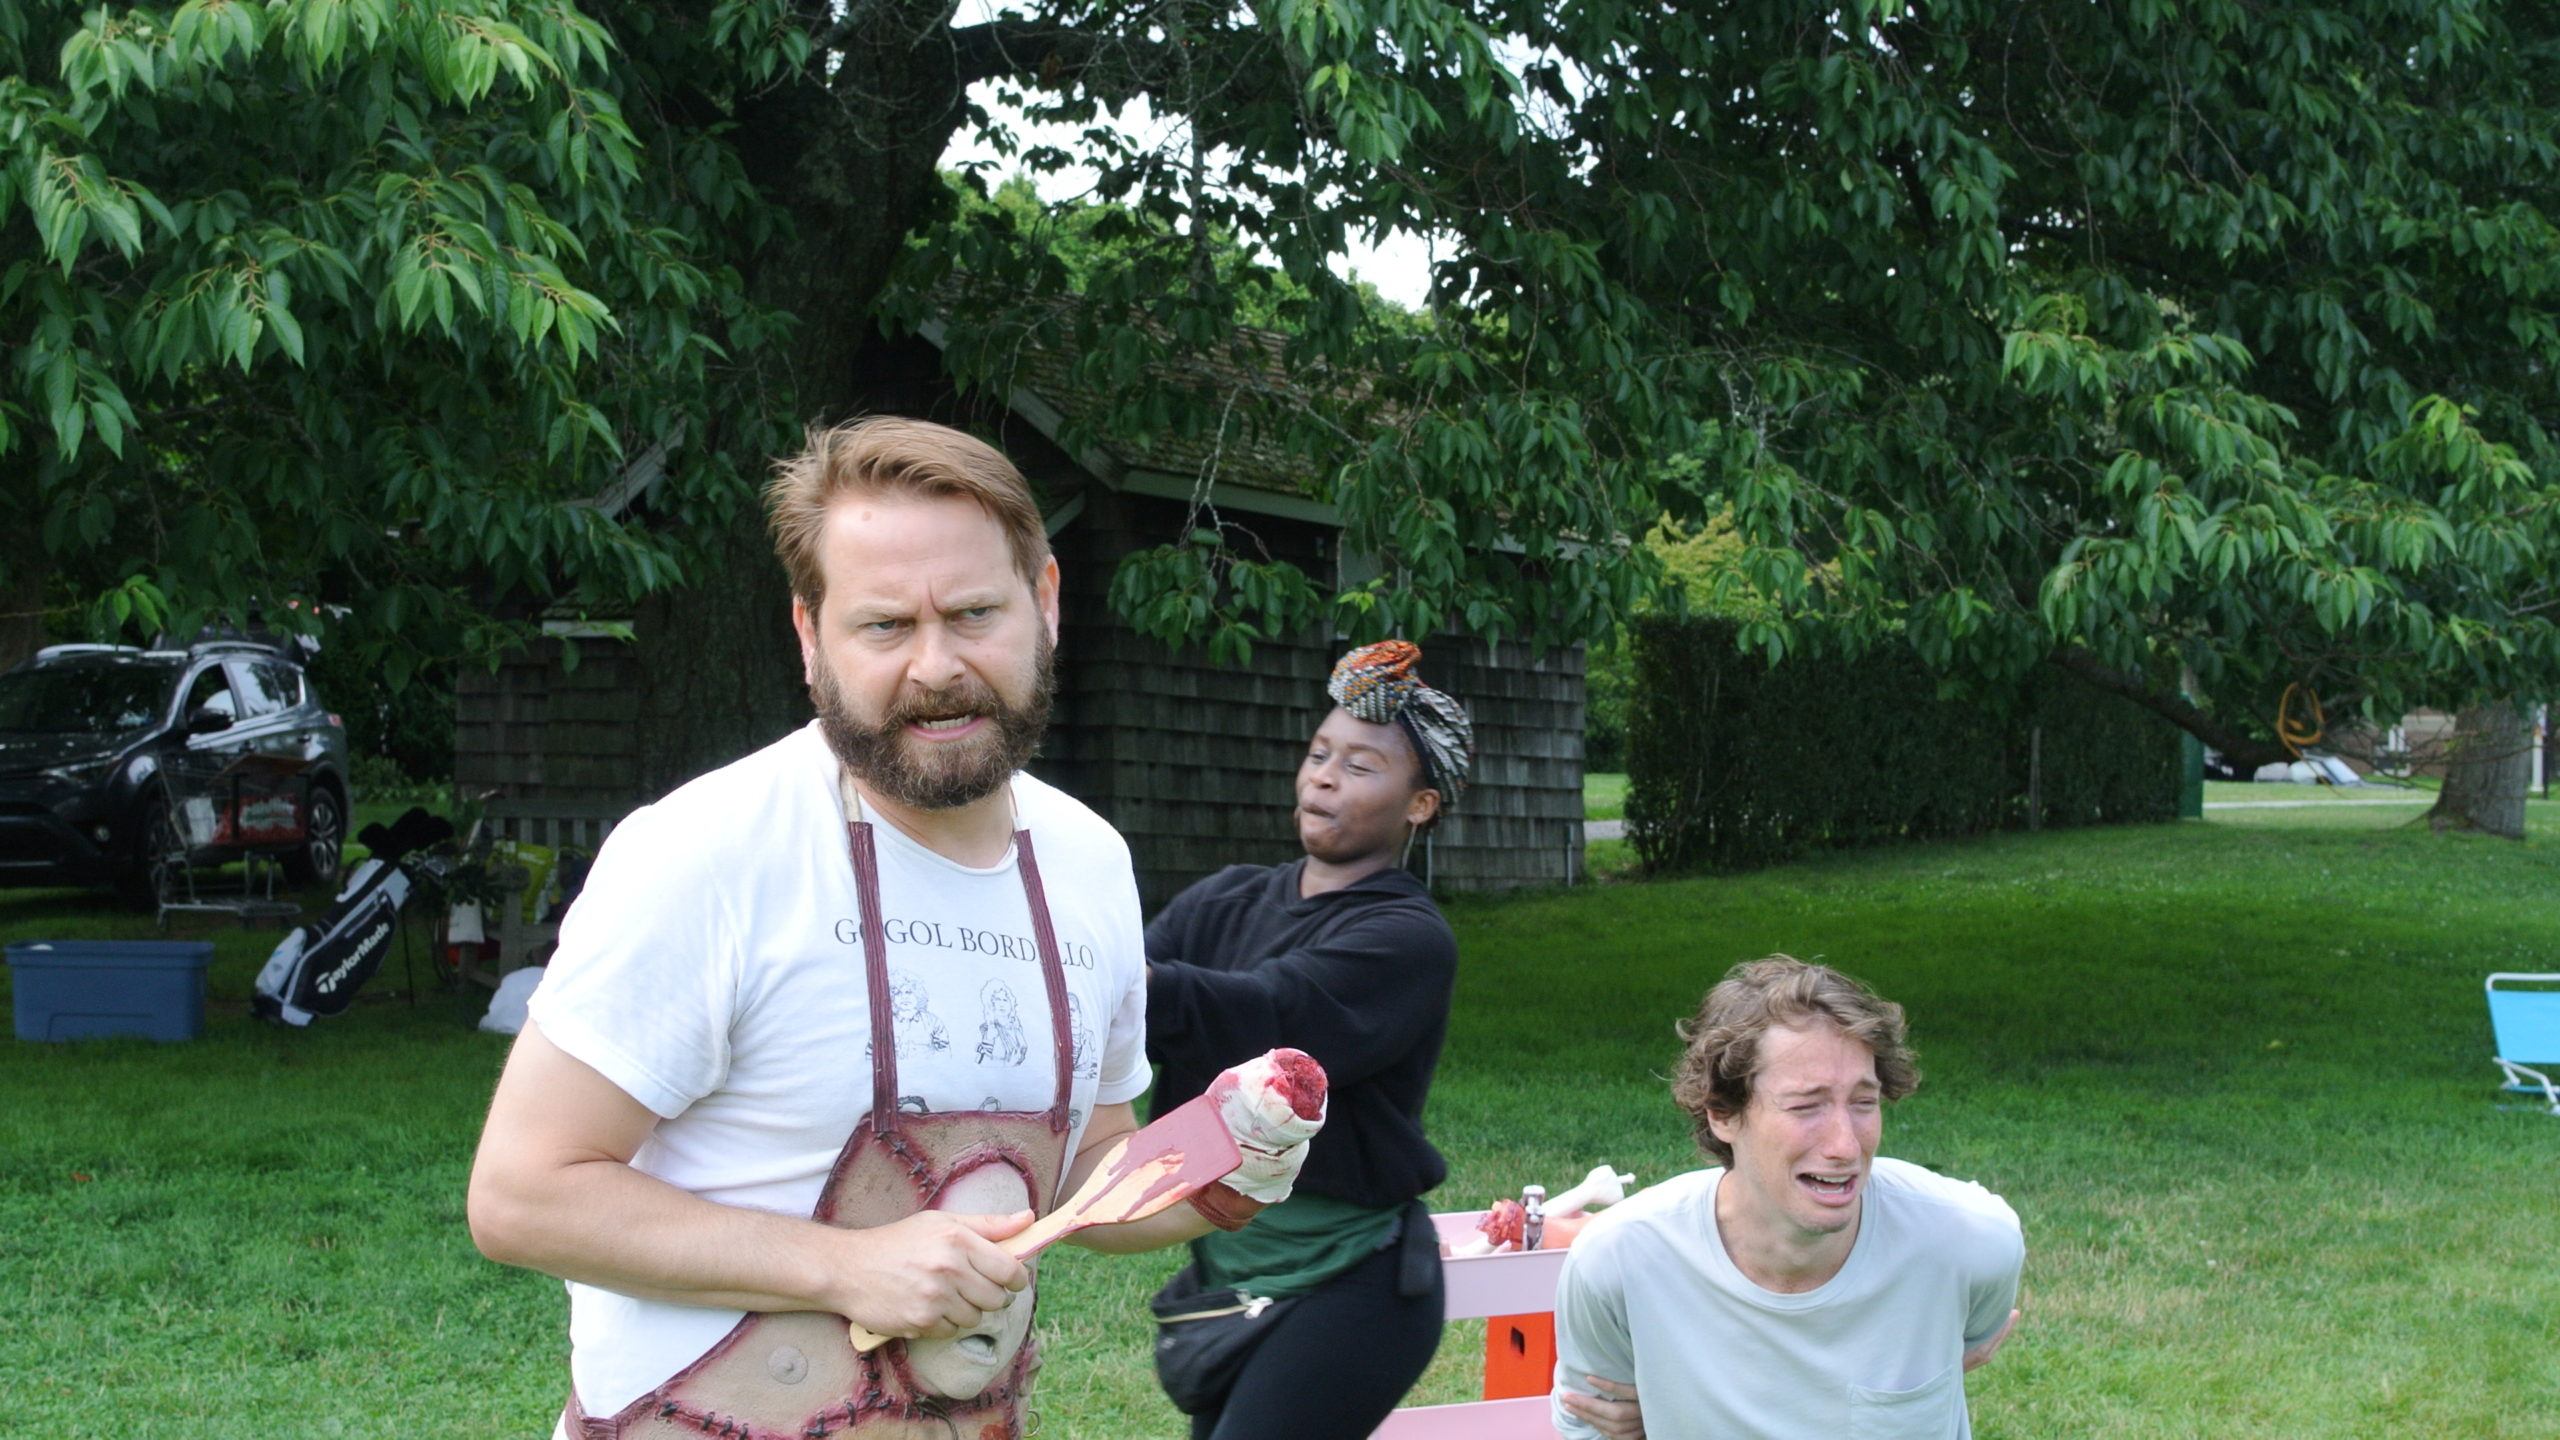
(1617, 829)
(2427, 799)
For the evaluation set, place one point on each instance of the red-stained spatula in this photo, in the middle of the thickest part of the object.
(1182, 1152)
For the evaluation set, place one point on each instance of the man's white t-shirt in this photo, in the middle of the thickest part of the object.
(713, 969)
(1876, 1352)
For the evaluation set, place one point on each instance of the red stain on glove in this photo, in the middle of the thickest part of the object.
(1300, 1081)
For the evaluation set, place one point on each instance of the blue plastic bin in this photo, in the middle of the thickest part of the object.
(85, 989)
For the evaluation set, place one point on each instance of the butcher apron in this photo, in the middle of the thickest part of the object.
(795, 1375)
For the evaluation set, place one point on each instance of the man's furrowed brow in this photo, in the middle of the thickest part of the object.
(871, 612)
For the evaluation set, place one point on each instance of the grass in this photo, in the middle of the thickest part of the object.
(2419, 791)
(2233, 1074)
(1604, 796)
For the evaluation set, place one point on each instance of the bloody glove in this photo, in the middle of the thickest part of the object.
(1273, 1105)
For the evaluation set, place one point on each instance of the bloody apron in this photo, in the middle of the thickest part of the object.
(795, 1375)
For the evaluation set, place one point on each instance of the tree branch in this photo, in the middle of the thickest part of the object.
(2242, 750)
(1051, 53)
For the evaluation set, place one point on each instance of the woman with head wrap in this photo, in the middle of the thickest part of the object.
(1341, 954)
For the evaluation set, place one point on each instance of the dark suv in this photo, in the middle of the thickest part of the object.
(116, 763)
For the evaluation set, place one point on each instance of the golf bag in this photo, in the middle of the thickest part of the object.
(319, 967)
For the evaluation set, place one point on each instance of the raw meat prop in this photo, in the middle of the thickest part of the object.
(1185, 1151)
(1273, 1105)
(1505, 1227)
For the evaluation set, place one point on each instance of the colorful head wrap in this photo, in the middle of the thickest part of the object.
(1376, 683)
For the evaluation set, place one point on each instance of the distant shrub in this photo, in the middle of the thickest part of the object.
(412, 726)
(379, 780)
(1734, 764)
(1607, 684)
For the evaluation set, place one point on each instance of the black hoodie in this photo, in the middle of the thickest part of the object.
(1359, 978)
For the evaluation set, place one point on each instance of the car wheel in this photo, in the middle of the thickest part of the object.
(324, 840)
(159, 856)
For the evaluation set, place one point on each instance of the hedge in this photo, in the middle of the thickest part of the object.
(1733, 763)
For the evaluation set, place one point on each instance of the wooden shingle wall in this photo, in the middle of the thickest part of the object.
(1521, 820)
(535, 730)
(1194, 763)
(1191, 762)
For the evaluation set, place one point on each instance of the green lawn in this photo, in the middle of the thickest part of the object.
(2419, 791)
(2233, 1074)
(1604, 796)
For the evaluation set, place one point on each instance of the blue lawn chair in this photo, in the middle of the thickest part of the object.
(2526, 1022)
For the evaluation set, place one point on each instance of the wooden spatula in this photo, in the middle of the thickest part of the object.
(1152, 1171)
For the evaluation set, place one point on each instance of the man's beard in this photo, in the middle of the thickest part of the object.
(923, 775)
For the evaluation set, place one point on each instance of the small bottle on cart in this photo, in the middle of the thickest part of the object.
(1533, 1215)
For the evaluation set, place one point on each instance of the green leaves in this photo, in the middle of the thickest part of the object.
(70, 198)
(2218, 348)
(353, 304)
(214, 31)
(325, 32)
(2215, 342)
(135, 604)
(1361, 63)
(462, 53)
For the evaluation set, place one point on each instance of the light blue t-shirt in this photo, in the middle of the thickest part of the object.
(1874, 1353)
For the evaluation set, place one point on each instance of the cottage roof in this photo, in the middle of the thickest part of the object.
(1234, 431)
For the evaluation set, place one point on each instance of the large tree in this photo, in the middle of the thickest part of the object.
(353, 311)
(378, 315)
(2201, 349)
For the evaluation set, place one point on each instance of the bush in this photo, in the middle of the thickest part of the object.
(411, 727)
(377, 780)
(1733, 763)
(1607, 678)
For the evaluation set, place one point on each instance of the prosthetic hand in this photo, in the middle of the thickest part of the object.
(1603, 1186)
(1273, 1105)
(1505, 1226)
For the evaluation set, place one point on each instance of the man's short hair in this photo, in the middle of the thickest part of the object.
(894, 455)
(1717, 1071)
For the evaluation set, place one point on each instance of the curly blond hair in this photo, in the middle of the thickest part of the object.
(1715, 1075)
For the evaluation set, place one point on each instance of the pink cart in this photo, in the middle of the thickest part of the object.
(1481, 1286)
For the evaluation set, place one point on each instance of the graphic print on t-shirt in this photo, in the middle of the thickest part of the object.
(1000, 1039)
(1088, 1064)
(918, 1029)
(966, 997)
(916, 1024)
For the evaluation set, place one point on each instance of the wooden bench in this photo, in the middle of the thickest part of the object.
(1482, 1287)
(555, 825)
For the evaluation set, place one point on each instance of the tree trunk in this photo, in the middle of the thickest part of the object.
(719, 665)
(855, 167)
(2488, 764)
(24, 568)
(854, 160)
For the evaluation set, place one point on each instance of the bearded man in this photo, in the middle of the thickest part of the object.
(734, 1121)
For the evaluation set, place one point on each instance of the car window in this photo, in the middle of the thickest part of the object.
(212, 691)
(98, 700)
(266, 687)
